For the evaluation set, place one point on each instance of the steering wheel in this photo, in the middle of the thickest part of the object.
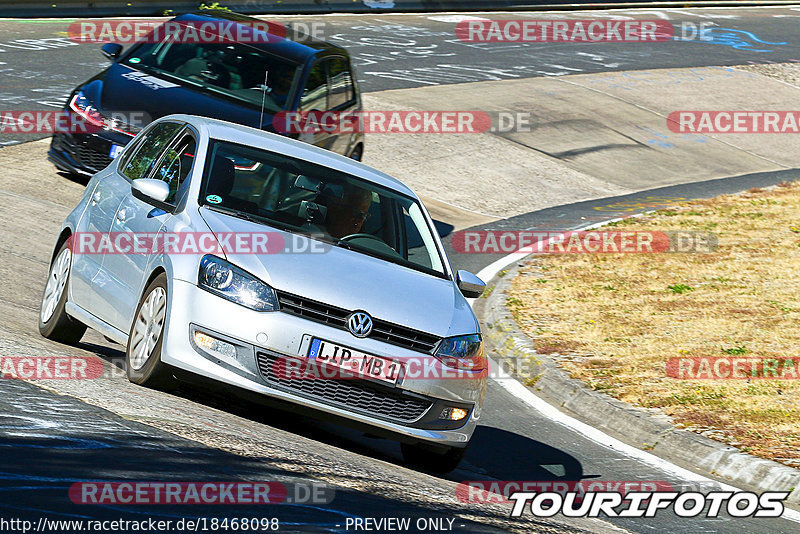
(379, 244)
(360, 236)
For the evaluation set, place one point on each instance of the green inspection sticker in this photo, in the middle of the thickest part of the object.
(213, 199)
(134, 60)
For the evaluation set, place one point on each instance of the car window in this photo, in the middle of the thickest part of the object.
(420, 245)
(150, 149)
(320, 202)
(315, 92)
(233, 70)
(130, 148)
(341, 82)
(175, 167)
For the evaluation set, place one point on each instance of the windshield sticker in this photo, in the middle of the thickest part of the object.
(213, 199)
(150, 81)
(134, 60)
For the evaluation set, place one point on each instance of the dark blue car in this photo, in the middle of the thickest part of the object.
(245, 83)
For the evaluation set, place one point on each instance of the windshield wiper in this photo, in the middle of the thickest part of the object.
(266, 221)
(343, 244)
(237, 213)
(392, 259)
(369, 252)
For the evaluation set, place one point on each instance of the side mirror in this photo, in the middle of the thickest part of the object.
(470, 285)
(112, 50)
(153, 192)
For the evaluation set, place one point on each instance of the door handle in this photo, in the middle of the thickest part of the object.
(121, 216)
(96, 198)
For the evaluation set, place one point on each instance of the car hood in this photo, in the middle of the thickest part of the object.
(127, 90)
(353, 281)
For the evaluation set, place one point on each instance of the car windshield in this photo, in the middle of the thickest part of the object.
(319, 202)
(234, 70)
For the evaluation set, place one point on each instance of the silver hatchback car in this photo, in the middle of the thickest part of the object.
(273, 266)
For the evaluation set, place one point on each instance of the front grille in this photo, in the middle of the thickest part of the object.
(337, 317)
(92, 159)
(354, 394)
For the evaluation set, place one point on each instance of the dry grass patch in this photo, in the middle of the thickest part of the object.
(615, 319)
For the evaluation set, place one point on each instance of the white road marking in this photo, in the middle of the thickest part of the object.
(453, 18)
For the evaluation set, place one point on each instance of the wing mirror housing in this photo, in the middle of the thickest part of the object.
(153, 192)
(112, 50)
(470, 285)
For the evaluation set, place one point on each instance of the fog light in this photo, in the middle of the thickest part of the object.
(215, 346)
(453, 414)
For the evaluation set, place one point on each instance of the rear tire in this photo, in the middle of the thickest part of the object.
(54, 323)
(431, 460)
(143, 363)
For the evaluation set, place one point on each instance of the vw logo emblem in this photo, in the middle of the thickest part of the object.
(359, 324)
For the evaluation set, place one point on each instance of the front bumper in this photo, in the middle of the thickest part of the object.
(84, 153)
(409, 411)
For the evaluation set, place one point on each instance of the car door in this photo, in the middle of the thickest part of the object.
(343, 100)
(96, 222)
(121, 270)
(314, 100)
(329, 87)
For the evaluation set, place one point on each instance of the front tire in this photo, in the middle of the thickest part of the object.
(143, 363)
(433, 461)
(54, 323)
(357, 153)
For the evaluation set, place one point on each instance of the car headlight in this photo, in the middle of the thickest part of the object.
(83, 107)
(462, 352)
(230, 282)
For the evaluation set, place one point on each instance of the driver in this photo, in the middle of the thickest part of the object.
(346, 215)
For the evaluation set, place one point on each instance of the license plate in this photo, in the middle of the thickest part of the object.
(115, 149)
(354, 362)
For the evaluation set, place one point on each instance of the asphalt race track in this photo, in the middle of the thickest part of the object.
(124, 432)
(41, 65)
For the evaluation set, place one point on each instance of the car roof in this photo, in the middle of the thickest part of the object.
(245, 135)
(299, 50)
